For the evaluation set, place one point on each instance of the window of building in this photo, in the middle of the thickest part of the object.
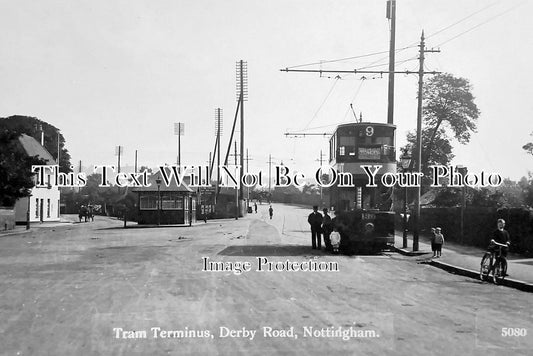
(171, 201)
(48, 208)
(37, 207)
(148, 201)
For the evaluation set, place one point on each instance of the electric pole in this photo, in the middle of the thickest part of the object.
(248, 159)
(269, 176)
(242, 95)
(321, 160)
(218, 128)
(118, 152)
(391, 15)
(237, 190)
(135, 161)
(418, 149)
(179, 131)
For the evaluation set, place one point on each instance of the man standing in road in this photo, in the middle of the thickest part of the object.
(315, 220)
(327, 228)
(270, 212)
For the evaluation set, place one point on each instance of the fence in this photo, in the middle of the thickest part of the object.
(479, 223)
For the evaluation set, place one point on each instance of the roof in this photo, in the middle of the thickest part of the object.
(172, 187)
(365, 123)
(34, 148)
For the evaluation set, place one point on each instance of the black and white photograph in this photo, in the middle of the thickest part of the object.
(245, 177)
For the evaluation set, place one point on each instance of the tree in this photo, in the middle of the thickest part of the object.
(526, 185)
(449, 112)
(528, 147)
(31, 127)
(15, 169)
(440, 154)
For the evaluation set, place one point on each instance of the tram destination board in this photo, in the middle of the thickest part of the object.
(370, 153)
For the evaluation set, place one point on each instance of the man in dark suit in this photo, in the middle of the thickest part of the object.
(327, 228)
(315, 220)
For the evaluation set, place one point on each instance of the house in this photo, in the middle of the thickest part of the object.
(159, 204)
(43, 203)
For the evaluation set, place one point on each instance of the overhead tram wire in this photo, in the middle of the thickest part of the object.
(412, 45)
(346, 58)
(482, 23)
(324, 101)
(461, 20)
(415, 44)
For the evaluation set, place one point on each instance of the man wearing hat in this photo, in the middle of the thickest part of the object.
(315, 220)
(327, 228)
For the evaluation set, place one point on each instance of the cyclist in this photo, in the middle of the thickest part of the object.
(500, 239)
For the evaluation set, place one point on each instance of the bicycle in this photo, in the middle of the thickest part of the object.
(495, 263)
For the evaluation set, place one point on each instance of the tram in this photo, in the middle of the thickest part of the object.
(363, 214)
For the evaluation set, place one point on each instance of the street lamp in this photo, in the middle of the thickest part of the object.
(405, 161)
(463, 171)
(158, 182)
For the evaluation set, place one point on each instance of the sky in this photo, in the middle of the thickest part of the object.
(111, 73)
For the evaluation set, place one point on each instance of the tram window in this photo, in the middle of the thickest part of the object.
(383, 140)
(346, 141)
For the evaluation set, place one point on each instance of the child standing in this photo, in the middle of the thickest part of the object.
(438, 242)
(433, 242)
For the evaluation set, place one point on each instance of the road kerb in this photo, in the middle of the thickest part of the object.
(406, 252)
(508, 282)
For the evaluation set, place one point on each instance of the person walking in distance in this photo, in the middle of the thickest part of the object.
(315, 220)
(255, 207)
(270, 212)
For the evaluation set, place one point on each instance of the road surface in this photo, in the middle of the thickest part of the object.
(98, 289)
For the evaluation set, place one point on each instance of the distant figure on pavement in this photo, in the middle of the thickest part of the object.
(315, 220)
(270, 212)
(83, 213)
(437, 241)
(255, 207)
(90, 212)
(327, 228)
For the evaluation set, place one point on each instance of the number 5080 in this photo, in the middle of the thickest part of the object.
(514, 332)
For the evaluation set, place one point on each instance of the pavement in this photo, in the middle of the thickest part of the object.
(465, 260)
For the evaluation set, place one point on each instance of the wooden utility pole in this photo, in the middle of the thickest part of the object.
(237, 200)
(135, 161)
(218, 128)
(269, 175)
(418, 148)
(242, 92)
(178, 131)
(391, 14)
(209, 175)
(58, 149)
(248, 159)
(321, 161)
(119, 151)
